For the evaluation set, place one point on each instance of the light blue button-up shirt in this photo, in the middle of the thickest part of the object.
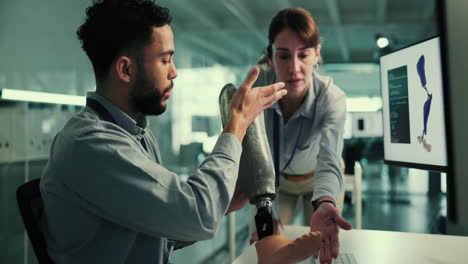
(314, 133)
(108, 200)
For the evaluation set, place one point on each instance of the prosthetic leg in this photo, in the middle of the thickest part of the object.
(256, 172)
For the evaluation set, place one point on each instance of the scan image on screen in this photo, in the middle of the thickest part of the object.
(413, 106)
(399, 105)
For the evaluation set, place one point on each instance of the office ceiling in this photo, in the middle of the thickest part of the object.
(234, 32)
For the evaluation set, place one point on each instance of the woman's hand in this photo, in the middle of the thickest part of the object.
(328, 221)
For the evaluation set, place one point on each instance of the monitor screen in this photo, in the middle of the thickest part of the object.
(413, 107)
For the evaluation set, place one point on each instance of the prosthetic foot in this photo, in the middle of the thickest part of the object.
(427, 146)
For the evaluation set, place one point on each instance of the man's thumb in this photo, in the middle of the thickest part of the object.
(251, 78)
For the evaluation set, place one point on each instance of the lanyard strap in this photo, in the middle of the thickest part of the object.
(276, 139)
(276, 147)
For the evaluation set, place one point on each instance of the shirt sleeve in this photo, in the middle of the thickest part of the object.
(328, 175)
(117, 181)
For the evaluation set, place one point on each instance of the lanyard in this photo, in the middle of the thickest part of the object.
(276, 140)
(277, 146)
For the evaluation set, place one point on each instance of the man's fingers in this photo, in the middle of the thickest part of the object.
(271, 89)
(270, 100)
(279, 85)
(272, 93)
(251, 78)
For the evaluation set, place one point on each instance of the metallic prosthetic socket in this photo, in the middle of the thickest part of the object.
(256, 172)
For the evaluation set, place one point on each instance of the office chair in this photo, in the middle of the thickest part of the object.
(31, 208)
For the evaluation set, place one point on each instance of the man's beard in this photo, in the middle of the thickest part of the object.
(146, 98)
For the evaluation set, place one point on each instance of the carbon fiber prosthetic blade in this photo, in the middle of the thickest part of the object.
(256, 172)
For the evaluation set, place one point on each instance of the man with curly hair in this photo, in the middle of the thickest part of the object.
(107, 197)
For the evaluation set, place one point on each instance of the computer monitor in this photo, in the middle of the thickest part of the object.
(453, 24)
(414, 121)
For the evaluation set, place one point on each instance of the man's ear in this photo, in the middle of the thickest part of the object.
(125, 69)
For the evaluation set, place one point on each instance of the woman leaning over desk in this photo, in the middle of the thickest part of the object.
(305, 128)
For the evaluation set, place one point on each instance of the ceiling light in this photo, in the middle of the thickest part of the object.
(382, 42)
(40, 97)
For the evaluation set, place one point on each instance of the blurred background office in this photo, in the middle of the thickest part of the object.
(216, 43)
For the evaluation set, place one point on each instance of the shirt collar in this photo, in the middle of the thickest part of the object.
(121, 118)
(306, 109)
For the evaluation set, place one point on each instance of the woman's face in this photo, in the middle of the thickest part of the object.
(293, 62)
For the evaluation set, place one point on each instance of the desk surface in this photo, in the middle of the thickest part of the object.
(371, 246)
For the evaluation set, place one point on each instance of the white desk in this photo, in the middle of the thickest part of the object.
(382, 247)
